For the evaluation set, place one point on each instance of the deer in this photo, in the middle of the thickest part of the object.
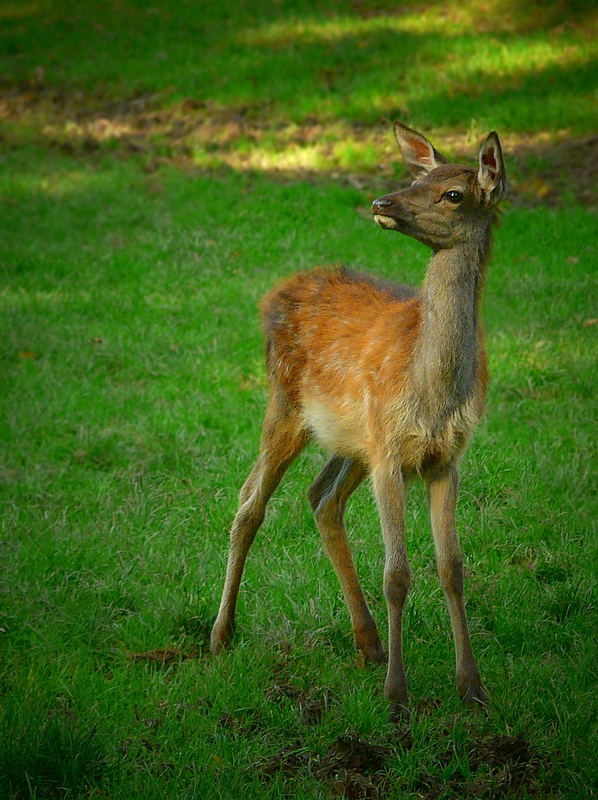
(391, 380)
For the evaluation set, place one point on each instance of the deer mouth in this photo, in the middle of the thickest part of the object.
(388, 223)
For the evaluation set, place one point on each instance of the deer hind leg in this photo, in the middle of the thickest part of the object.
(283, 438)
(442, 494)
(328, 497)
(390, 490)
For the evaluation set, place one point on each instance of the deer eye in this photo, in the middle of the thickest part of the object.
(453, 196)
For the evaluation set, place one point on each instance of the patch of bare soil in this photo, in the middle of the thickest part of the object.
(545, 169)
(497, 767)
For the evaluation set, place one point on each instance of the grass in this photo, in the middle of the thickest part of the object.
(292, 85)
(133, 390)
(325, 59)
(50, 755)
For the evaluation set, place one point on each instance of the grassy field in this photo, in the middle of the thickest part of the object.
(160, 168)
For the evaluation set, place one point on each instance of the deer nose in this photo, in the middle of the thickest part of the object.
(379, 204)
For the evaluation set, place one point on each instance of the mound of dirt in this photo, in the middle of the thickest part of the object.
(355, 768)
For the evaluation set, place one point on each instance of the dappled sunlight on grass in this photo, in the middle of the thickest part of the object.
(450, 19)
(496, 61)
(335, 149)
(408, 55)
(438, 65)
(301, 30)
(292, 94)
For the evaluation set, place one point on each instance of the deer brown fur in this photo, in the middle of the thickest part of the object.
(392, 382)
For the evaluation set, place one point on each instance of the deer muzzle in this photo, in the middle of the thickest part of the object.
(385, 213)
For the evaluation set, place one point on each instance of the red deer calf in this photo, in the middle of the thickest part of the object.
(392, 382)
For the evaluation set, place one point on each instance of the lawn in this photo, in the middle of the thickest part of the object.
(160, 168)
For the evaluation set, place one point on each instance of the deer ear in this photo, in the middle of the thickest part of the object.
(492, 176)
(419, 154)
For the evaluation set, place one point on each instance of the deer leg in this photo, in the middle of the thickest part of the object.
(442, 494)
(328, 497)
(283, 438)
(390, 491)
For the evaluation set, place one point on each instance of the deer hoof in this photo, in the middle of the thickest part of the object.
(369, 644)
(475, 697)
(372, 652)
(221, 636)
(397, 713)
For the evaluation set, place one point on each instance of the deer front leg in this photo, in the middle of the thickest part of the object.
(442, 494)
(328, 497)
(390, 491)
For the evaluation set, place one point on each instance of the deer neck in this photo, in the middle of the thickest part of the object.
(448, 348)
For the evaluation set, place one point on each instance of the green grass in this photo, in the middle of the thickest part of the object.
(257, 81)
(297, 59)
(41, 755)
(132, 395)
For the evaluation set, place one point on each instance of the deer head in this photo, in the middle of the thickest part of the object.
(443, 206)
